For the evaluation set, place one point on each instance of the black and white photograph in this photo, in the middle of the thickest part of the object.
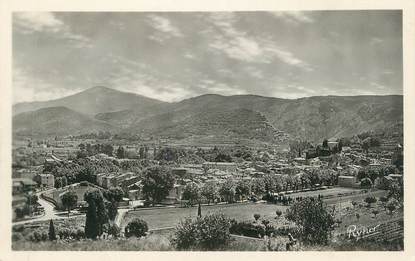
(207, 131)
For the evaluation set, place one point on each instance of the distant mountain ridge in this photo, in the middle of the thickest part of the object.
(56, 121)
(241, 116)
(92, 101)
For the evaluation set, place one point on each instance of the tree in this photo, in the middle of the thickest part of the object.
(227, 191)
(370, 200)
(366, 183)
(137, 228)
(91, 223)
(191, 192)
(58, 182)
(52, 234)
(258, 187)
(208, 233)
(396, 190)
(313, 219)
(270, 184)
(209, 191)
(31, 202)
(97, 214)
(157, 182)
(354, 203)
(278, 213)
(375, 212)
(222, 157)
(69, 200)
(242, 189)
(120, 152)
(64, 181)
(257, 216)
(108, 149)
(112, 208)
(392, 205)
(114, 196)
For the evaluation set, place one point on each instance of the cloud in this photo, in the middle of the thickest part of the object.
(27, 87)
(164, 28)
(38, 21)
(35, 22)
(293, 17)
(238, 45)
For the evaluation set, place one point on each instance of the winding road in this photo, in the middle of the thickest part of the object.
(50, 212)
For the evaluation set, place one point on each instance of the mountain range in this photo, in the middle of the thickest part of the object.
(249, 117)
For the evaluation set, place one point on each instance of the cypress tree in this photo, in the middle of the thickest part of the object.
(101, 214)
(91, 223)
(199, 211)
(52, 234)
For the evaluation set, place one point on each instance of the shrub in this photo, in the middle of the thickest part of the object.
(214, 231)
(77, 234)
(137, 228)
(186, 234)
(64, 233)
(208, 233)
(113, 230)
(392, 205)
(38, 236)
(17, 236)
(314, 220)
(366, 183)
(284, 231)
(247, 229)
(370, 200)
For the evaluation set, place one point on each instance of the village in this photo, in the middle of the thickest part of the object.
(233, 180)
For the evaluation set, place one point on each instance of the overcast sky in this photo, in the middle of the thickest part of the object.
(172, 56)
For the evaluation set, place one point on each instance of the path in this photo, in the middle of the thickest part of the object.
(50, 212)
(120, 216)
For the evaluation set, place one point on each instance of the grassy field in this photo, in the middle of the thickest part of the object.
(170, 217)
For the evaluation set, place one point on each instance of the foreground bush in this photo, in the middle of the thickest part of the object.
(313, 219)
(208, 233)
(247, 229)
(137, 228)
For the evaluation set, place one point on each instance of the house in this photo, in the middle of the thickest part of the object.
(397, 177)
(333, 144)
(300, 160)
(18, 200)
(22, 185)
(134, 194)
(179, 172)
(346, 149)
(224, 166)
(347, 181)
(46, 180)
(51, 160)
